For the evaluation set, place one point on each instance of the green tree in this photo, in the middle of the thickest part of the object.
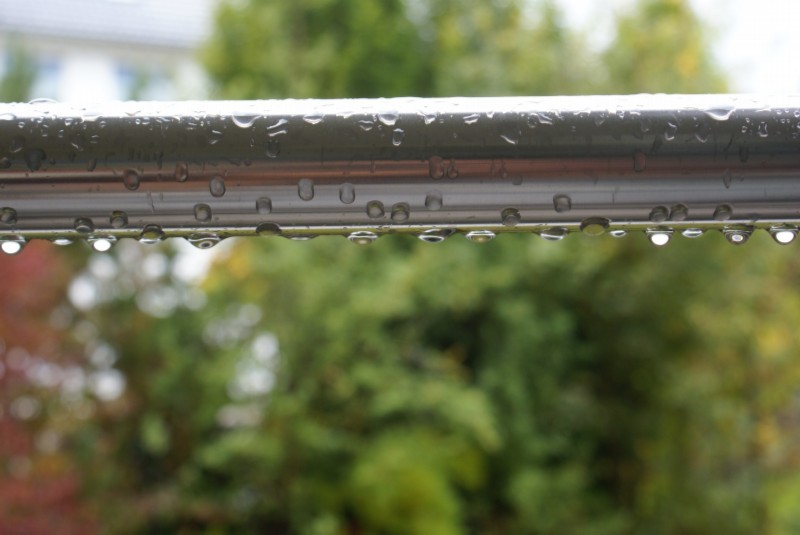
(20, 74)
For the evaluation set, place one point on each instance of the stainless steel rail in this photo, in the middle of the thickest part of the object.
(658, 164)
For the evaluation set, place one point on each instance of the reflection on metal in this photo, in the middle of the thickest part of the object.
(204, 171)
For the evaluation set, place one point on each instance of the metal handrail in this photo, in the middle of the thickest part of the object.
(660, 164)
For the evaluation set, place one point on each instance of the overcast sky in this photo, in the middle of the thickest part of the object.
(757, 42)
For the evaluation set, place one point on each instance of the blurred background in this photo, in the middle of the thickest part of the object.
(593, 386)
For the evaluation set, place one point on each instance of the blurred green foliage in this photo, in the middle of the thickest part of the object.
(521, 386)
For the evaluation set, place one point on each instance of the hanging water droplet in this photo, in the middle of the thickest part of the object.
(204, 241)
(5, 163)
(702, 132)
(659, 237)
(693, 232)
(784, 235)
(12, 245)
(435, 235)
(131, 178)
(273, 148)
(264, 205)
(8, 216)
(639, 161)
(434, 200)
(62, 241)
(554, 234)
(313, 118)
(375, 209)
(472, 118)
(7, 117)
(659, 214)
(727, 177)
(452, 170)
(214, 137)
(244, 121)
(362, 237)
(347, 193)
(510, 134)
(618, 233)
(216, 186)
(101, 244)
(397, 136)
(278, 129)
(562, 203)
(181, 171)
(388, 117)
(365, 125)
(737, 235)
(679, 212)
(118, 219)
(84, 225)
(480, 236)
(302, 237)
(400, 212)
(202, 212)
(670, 130)
(763, 130)
(268, 229)
(436, 167)
(723, 212)
(34, 159)
(510, 217)
(17, 143)
(305, 189)
(151, 234)
(720, 114)
(594, 226)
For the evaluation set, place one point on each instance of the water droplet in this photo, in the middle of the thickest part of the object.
(204, 241)
(670, 130)
(737, 235)
(436, 167)
(679, 212)
(762, 130)
(510, 134)
(397, 136)
(472, 118)
(480, 236)
(263, 205)
(388, 117)
(659, 237)
(723, 212)
(429, 116)
(400, 212)
(727, 178)
(313, 118)
(659, 214)
(216, 186)
(181, 171)
(618, 233)
(244, 121)
(693, 232)
(7, 117)
(8, 216)
(202, 212)
(12, 245)
(131, 178)
(278, 129)
(347, 193)
(720, 114)
(436, 235)
(452, 170)
(268, 229)
(101, 244)
(702, 132)
(62, 241)
(784, 235)
(118, 219)
(639, 161)
(434, 200)
(34, 158)
(17, 143)
(365, 125)
(510, 217)
(302, 237)
(78, 141)
(375, 209)
(562, 203)
(5, 163)
(273, 148)
(305, 189)
(362, 237)
(554, 234)
(84, 225)
(594, 226)
(151, 234)
(214, 137)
